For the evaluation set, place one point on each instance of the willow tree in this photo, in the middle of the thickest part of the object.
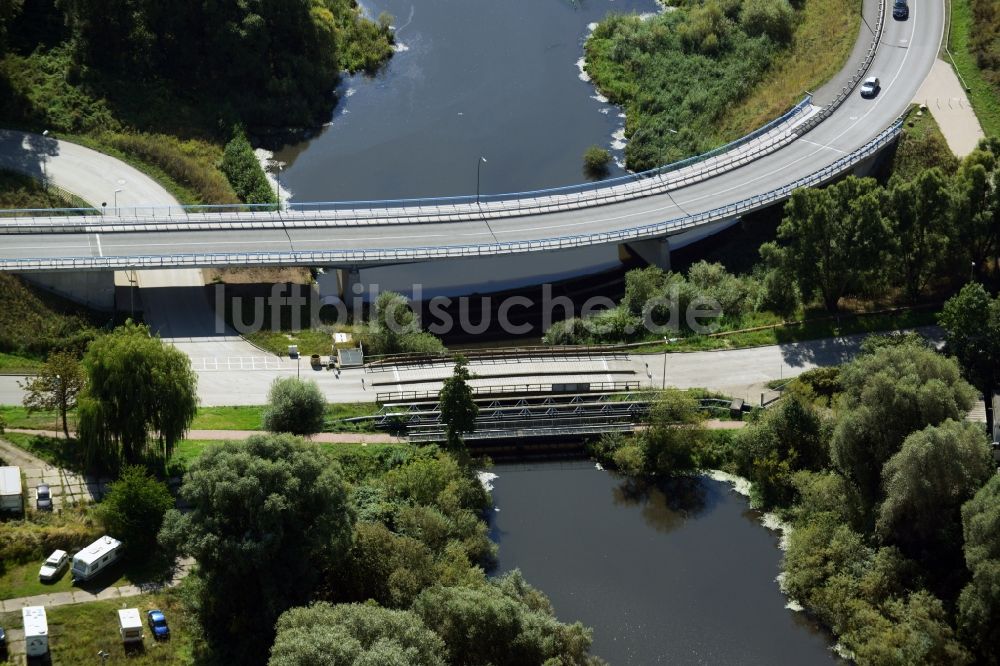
(140, 397)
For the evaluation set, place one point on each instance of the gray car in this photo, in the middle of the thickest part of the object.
(870, 87)
(43, 500)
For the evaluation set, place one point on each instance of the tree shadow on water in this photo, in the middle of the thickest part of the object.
(665, 504)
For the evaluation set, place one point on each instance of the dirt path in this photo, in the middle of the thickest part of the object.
(224, 435)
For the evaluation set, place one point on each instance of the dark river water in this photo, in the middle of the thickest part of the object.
(682, 576)
(471, 78)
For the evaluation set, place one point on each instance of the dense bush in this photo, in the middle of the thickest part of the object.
(986, 40)
(658, 302)
(354, 634)
(596, 161)
(23, 541)
(33, 323)
(677, 72)
(190, 163)
(244, 172)
(393, 328)
(134, 507)
(295, 406)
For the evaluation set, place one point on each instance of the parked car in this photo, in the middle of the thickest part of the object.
(870, 87)
(43, 497)
(900, 10)
(158, 624)
(54, 566)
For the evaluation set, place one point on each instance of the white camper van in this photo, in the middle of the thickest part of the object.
(36, 630)
(95, 558)
(11, 495)
(130, 625)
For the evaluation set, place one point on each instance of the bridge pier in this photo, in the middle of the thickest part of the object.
(654, 251)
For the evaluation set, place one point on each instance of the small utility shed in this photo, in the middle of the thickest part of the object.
(11, 494)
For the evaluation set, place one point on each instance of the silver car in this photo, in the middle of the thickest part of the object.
(870, 87)
(54, 566)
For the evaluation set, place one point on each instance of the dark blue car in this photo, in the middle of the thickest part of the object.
(900, 10)
(158, 624)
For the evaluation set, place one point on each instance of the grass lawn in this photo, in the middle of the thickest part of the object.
(18, 417)
(21, 580)
(985, 99)
(53, 450)
(309, 340)
(79, 631)
(12, 364)
(229, 418)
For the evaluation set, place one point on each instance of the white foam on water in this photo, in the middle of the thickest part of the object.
(598, 466)
(605, 110)
(618, 141)
(591, 27)
(349, 92)
(600, 98)
(739, 484)
(400, 47)
(486, 479)
(581, 64)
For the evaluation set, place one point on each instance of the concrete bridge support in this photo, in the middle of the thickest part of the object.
(94, 289)
(654, 251)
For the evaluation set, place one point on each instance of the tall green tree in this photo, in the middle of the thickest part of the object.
(675, 435)
(788, 438)
(244, 172)
(888, 394)
(505, 623)
(56, 387)
(140, 391)
(935, 472)
(979, 603)
(134, 508)
(268, 517)
(918, 216)
(971, 321)
(354, 635)
(975, 232)
(832, 239)
(458, 408)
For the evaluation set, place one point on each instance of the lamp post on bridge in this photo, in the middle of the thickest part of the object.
(117, 192)
(479, 167)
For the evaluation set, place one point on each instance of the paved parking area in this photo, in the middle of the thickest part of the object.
(67, 488)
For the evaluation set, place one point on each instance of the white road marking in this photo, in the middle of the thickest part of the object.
(820, 145)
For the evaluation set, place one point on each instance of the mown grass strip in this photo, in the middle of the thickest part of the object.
(984, 97)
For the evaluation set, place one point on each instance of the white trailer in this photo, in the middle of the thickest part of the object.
(36, 630)
(11, 494)
(130, 625)
(95, 558)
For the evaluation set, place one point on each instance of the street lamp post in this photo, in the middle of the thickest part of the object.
(665, 343)
(479, 164)
(45, 175)
(117, 192)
